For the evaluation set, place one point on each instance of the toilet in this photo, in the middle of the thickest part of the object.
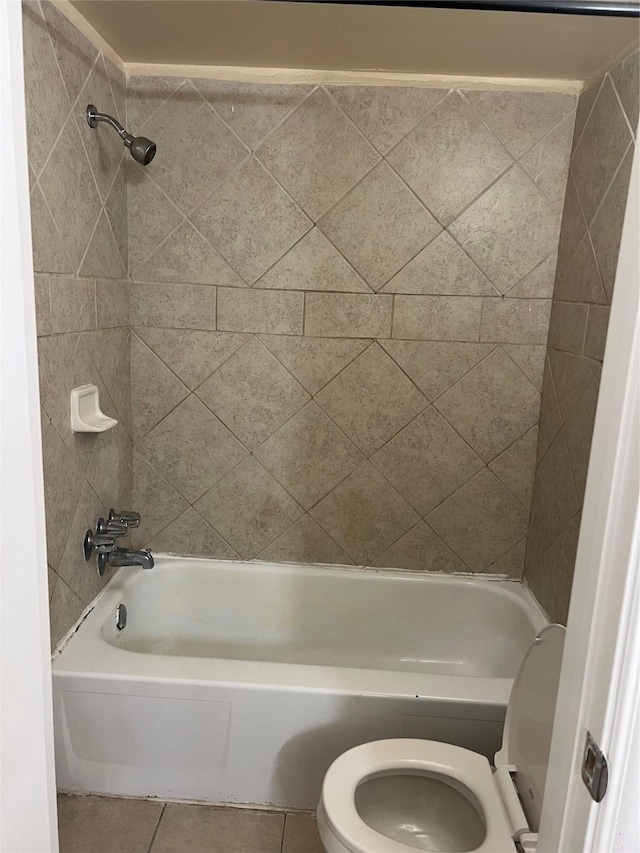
(404, 795)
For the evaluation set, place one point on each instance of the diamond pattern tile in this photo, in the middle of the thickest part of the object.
(317, 154)
(520, 119)
(364, 514)
(70, 191)
(427, 461)
(515, 466)
(435, 365)
(449, 158)
(198, 149)
(509, 230)
(492, 405)
(186, 258)
(379, 226)
(314, 361)
(480, 521)
(386, 113)
(155, 390)
(420, 550)
(151, 216)
(371, 400)
(249, 508)
(155, 498)
(192, 449)
(252, 110)
(309, 455)
(191, 355)
(441, 268)
(252, 394)
(191, 535)
(305, 542)
(251, 221)
(313, 264)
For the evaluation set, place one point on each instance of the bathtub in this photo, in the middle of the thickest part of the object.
(241, 682)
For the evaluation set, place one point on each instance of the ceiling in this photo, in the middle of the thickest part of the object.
(255, 33)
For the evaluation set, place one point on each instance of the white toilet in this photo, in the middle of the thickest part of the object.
(403, 795)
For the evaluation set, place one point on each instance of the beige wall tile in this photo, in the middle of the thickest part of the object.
(273, 312)
(520, 119)
(515, 321)
(530, 359)
(251, 221)
(252, 110)
(562, 558)
(480, 521)
(364, 514)
(313, 264)
(151, 217)
(437, 318)
(176, 306)
(102, 257)
(73, 304)
(625, 79)
(112, 303)
(249, 508)
(192, 449)
(558, 496)
(49, 251)
(434, 365)
(379, 226)
(155, 499)
(309, 455)
(198, 149)
(346, 315)
(537, 284)
(547, 163)
(606, 227)
(74, 51)
(190, 534)
(596, 333)
(317, 154)
(427, 461)
(579, 428)
(43, 305)
(186, 257)
(305, 542)
(155, 390)
(509, 230)
(492, 405)
(191, 355)
(371, 399)
(449, 158)
(441, 268)
(511, 563)
(314, 361)
(515, 466)
(580, 280)
(252, 394)
(421, 550)
(145, 94)
(386, 113)
(567, 326)
(602, 145)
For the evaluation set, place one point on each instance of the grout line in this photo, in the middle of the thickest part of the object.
(621, 105)
(588, 118)
(155, 831)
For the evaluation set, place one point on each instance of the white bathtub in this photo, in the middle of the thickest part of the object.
(241, 682)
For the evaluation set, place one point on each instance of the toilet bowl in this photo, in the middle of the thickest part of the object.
(405, 795)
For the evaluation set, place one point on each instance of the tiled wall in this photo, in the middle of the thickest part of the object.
(340, 301)
(78, 213)
(605, 132)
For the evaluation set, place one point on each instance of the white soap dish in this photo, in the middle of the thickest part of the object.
(85, 411)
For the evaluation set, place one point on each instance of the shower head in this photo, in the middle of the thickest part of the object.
(142, 150)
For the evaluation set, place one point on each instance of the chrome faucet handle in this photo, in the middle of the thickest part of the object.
(100, 543)
(115, 529)
(126, 516)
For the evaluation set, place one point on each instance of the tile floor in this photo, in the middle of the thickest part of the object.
(113, 825)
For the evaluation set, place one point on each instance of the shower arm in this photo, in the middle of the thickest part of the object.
(93, 117)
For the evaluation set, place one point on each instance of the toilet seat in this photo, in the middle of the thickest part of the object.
(461, 768)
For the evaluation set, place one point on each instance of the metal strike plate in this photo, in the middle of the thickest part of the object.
(595, 772)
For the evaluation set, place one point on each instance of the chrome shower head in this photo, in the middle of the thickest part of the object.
(142, 150)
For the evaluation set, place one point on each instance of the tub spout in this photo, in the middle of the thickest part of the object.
(124, 557)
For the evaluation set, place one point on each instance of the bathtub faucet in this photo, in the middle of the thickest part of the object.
(124, 557)
(103, 542)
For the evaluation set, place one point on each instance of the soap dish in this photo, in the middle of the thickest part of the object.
(85, 411)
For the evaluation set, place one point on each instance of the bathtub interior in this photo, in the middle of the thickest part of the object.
(324, 616)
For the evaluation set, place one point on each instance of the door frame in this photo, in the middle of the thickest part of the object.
(27, 772)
